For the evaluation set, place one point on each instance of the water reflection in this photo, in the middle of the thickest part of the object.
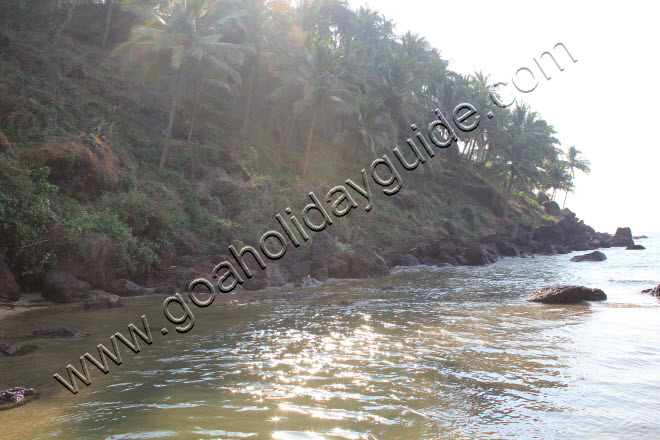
(425, 353)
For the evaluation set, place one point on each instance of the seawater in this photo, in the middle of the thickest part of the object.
(425, 353)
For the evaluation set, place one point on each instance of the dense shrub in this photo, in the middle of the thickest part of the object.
(27, 219)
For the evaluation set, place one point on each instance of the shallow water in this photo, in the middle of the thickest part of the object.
(425, 353)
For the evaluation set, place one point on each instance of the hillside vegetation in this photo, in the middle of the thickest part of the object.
(189, 124)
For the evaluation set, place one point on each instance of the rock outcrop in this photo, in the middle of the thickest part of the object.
(99, 300)
(592, 256)
(62, 287)
(566, 295)
(551, 208)
(9, 288)
(635, 247)
(654, 292)
(16, 396)
(123, 287)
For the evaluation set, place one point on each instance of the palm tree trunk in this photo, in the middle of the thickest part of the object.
(108, 19)
(290, 133)
(194, 111)
(508, 191)
(170, 124)
(248, 99)
(565, 197)
(309, 143)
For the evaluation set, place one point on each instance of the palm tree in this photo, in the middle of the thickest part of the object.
(558, 177)
(317, 73)
(189, 34)
(574, 162)
(372, 126)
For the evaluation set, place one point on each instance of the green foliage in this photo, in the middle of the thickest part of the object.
(26, 216)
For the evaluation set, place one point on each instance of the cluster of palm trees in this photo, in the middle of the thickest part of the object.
(319, 68)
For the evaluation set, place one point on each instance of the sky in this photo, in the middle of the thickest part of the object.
(604, 104)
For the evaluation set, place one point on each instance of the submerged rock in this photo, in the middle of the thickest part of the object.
(18, 349)
(62, 287)
(17, 396)
(99, 300)
(592, 256)
(566, 294)
(62, 332)
(635, 247)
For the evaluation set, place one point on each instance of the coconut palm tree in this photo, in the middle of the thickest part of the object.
(558, 177)
(574, 162)
(189, 33)
(317, 72)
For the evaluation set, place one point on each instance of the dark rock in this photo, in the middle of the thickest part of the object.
(639, 237)
(62, 287)
(542, 197)
(551, 208)
(479, 255)
(579, 246)
(58, 333)
(123, 287)
(461, 259)
(9, 288)
(18, 349)
(592, 256)
(622, 238)
(16, 396)
(566, 294)
(324, 247)
(320, 274)
(506, 248)
(364, 263)
(549, 234)
(99, 300)
(555, 249)
(654, 292)
(635, 247)
(445, 258)
(274, 275)
(405, 260)
(623, 232)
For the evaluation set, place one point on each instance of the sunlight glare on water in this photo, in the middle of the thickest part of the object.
(425, 353)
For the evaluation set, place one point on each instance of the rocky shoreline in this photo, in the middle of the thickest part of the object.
(327, 258)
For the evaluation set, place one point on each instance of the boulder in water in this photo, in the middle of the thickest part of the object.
(18, 349)
(592, 256)
(635, 247)
(654, 292)
(58, 333)
(17, 396)
(566, 294)
(99, 300)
